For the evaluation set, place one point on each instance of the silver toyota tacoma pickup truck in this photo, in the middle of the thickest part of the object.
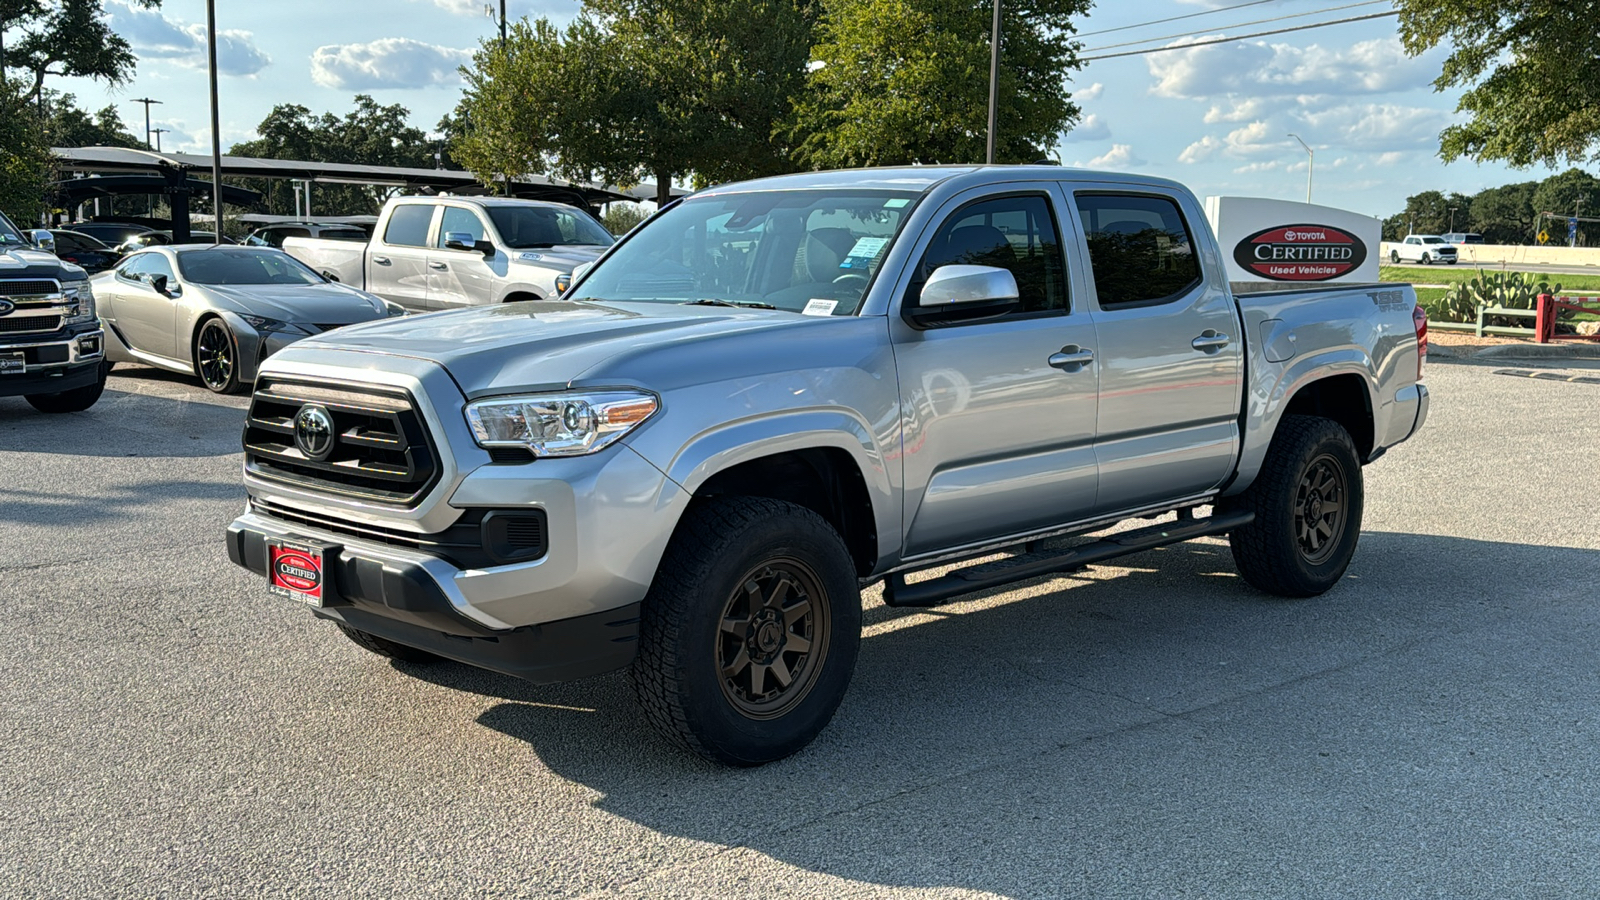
(775, 394)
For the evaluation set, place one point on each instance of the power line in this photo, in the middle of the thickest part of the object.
(1242, 37)
(1168, 37)
(1206, 12)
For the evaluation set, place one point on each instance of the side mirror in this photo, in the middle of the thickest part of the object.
(462, 240)
(955, 294)
(158, 283)
(43, 240)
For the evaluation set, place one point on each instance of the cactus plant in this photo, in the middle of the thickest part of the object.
(1512, 290)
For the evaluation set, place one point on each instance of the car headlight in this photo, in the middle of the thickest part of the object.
(82, 298)
(567, 424)
(267, 326)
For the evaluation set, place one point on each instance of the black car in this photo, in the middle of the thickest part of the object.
(85, 251)
(109, 233)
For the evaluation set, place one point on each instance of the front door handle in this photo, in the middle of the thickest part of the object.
(438, 265)
(1210, 341)
(1072, 358)
(381, 260)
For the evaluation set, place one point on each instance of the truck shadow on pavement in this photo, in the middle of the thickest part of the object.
(1156, 730)
(128, 424)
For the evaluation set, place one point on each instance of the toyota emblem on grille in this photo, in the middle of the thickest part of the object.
(313, 432)
(6, 306)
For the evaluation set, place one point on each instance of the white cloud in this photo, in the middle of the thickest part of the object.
(157, 36)
(1120, 156)
(1255, 68)
(387, 63)
(1379, 126)
(1200, 150)
(1268, 166)
(1092, 92)
(1236, 111)
(1092, 128)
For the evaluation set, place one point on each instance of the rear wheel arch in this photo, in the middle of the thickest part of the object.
(1344, 399)
(825, 480)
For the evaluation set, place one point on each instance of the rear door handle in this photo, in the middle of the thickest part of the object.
(438, 265)
(1072, 358)
(381, 260)
(1210, 341)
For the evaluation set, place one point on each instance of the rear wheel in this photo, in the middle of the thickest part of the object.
(749, 634)
(386, 647)
(1308, 502)
(75, 400)
(1394, 256)
(216, 357)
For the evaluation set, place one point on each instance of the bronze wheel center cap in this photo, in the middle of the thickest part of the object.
(769, 637)
(1315, 506)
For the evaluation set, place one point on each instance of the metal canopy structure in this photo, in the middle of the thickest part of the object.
(74, 191)
(174, 169)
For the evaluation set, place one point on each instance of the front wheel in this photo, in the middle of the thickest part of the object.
(1308, 501)
(75, 400)
(749, 634)
(1426, 260)
(216, 357)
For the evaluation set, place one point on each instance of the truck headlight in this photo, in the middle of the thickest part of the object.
(82, 298)
(567, 424)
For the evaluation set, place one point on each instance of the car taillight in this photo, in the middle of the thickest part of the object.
(1419, 321)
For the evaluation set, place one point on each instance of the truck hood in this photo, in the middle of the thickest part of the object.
(25, 262)
(317, 304)
(561, 259)
(542, 344)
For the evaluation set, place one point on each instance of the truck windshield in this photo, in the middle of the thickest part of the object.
(527, 227)
(243, 267)
(9, 233)
(811, 251)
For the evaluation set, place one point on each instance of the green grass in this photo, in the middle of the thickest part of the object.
(1462, 273)
(1430, 296)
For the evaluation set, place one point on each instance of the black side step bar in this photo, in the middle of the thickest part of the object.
(896, 592)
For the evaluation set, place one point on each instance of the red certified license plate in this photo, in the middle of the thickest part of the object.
(295, 570)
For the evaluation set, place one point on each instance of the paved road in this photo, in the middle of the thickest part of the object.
(1427, 729)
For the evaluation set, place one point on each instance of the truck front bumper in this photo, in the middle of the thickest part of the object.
(55, 363)
(423, 600)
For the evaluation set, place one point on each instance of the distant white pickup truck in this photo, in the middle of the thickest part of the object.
(1426, 249)
(432, 253)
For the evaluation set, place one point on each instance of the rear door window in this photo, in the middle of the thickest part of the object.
(1139, 248)
(408, 225)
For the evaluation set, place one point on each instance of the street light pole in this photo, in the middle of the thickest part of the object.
(216, 134)
(158, 132)
(1453, 219)
(1311, 163)
(146, 101)
(994, 79)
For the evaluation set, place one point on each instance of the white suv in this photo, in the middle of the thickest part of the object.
(1423, 248)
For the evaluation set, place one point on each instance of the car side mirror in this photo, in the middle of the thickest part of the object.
(462, 240)
(43, 240)
(955, 294)
(159, 284)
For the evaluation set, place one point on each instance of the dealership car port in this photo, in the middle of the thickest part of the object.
(1149, 729)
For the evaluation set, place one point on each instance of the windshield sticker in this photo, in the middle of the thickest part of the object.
(863, 253)
(819, 308)
(895, 202)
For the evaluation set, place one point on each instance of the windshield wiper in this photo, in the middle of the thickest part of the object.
(741, 304)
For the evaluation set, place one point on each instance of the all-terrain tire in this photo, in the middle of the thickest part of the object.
(1308, 502)
(750, 590)
(75, 400)
(386, 647)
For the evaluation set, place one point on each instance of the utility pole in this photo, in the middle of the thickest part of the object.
(216, 134)
(146, 101)
(994, 79)
(489, 11)
(158, 132)
(1311, 163)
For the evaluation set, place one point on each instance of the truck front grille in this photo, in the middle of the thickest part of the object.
(15, 289)
(381, 448)
(29, 324)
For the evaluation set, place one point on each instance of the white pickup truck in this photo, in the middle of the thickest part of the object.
(1426, 249)
(432, 253)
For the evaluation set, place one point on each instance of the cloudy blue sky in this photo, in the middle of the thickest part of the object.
(1216, 118)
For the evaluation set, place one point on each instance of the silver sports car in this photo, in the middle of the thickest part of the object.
(219, 311)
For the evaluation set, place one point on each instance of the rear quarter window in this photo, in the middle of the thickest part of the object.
(1140, 249)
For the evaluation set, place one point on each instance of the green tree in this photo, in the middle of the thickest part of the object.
(1428, 213)
(68, 126)
(620, 218)
(879, 98)
(26, 165)
(1573, 192)
(1505, 215)
(371, 134)
(635, 90)
(65, 37)
(1527, 68)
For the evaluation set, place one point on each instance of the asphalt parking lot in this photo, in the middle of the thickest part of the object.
(1427, 729)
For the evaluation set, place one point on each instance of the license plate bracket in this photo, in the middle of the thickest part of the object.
(13, 363)
(298, 570)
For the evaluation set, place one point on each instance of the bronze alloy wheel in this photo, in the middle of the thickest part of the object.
(214, 356)
(772, 639)
(1319, 508)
